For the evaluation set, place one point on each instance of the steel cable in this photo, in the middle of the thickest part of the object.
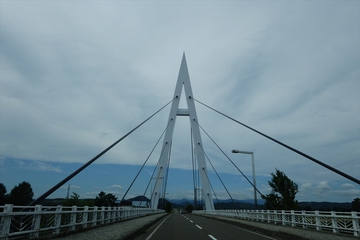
(53, 189)
(287, 146)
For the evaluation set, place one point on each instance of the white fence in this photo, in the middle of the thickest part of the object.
(344, 222)
(30, 222)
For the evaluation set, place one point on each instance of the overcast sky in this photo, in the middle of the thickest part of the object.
(76, 76)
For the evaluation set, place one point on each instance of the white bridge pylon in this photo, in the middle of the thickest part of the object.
(163, 164)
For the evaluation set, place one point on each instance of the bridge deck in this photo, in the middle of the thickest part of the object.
(124, 229)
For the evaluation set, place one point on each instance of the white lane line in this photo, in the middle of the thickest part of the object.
(199, 227)
(156, 228)
(191, 221)
(210, 236)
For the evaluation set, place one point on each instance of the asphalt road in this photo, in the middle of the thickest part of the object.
(183, 226)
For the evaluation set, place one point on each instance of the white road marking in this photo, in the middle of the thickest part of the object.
(191, 221)
(156, 228)
(212, 237)
(199, 227)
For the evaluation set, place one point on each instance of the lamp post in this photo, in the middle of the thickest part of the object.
(253, 170)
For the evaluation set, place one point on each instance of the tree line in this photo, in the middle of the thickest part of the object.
(22, 195)
(282, 196)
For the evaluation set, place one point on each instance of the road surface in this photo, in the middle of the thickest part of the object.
(187, 226)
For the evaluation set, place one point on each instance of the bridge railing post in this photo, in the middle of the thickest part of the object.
(334, 222)
(259, 215)
(73, 218)
(123, 214)
(293, 218)
(57, 219)
(317, 220)
(277, 217)
(109, 215)
(106, 214)
(102, 215)
(95, 216)
(113, 214)
(268, 216)
(85, 217)
(355, 223)
(35, 226)
(283, 217)
(6, 221)
(303, 219)
(119, 214)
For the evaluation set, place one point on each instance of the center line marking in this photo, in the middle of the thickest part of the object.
(210, 236)
(191, 221)
(199, 227)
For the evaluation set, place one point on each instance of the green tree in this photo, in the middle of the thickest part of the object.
(356, 205)
(21, 195)
(2, 194)
(283, 192)
(74, 200)
(107, 200)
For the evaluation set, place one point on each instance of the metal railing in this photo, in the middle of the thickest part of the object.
(337, 222)
(29, 222)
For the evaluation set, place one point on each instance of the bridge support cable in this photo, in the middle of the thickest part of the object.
(166, 175)
(207, 176)
(159, 169)
(53, 189)
(287, 146)
(230, 160)
(152, 176)
(152, 150)
(234, 164)
(217, 176)
(196, 176)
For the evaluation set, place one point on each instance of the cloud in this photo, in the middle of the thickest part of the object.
(305, 187)
(76, 77)
(42, 166)
(37, 166)
(347, 186)
(350, 193)
(116, 186)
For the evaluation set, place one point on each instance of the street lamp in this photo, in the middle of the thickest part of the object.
(253, 170)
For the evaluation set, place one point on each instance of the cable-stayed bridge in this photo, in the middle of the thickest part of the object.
(204, 193)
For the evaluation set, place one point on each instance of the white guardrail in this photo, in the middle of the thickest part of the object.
(343, 222)
(29, 222)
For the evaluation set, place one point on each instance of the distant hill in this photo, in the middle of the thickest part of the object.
(182, 202)
(52, 202)
(325, 206)
(139, 198)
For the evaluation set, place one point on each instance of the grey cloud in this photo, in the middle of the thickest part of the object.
(76, 77)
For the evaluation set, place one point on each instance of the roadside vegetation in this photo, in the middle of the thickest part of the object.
(282, 197)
